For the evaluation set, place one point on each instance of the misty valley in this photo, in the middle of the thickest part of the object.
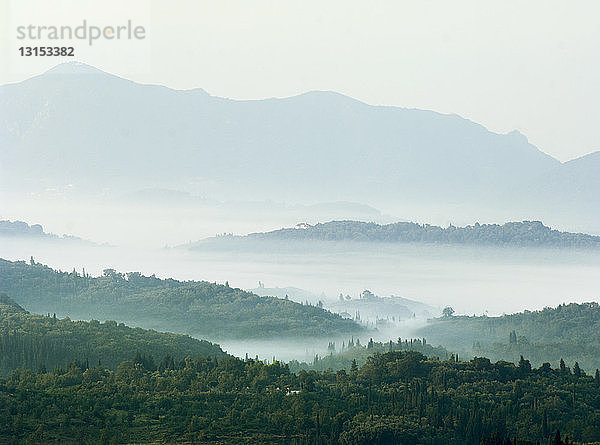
(177, 267)
(359, 322)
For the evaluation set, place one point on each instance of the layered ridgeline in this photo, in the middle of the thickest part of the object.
(318, 146)
(570, 332)
(394, 398)
(516, 234)
(197, 308)
(45, 342)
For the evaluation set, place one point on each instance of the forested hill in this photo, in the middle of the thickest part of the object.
(37, 342)
(571, 332)
(526, 233)
(196, 308)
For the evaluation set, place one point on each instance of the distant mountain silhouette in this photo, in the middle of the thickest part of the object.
(22, 230)
(78, 125)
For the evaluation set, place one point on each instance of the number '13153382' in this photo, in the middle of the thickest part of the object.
(27, 51)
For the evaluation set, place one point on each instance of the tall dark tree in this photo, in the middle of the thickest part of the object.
(563, 367)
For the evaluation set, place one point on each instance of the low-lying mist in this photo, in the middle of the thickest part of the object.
(156, 218)
(471, 279)
(305, 349)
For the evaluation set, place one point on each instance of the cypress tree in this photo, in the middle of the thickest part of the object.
(576, 370)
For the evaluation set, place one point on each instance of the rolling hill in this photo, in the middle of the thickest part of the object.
(196, 308)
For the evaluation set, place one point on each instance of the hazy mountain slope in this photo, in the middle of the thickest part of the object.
(367, 307)
(576, 180)
(75, 124)
(291, 293)
(571, 191)
(383, 309)
(196, 308)
(30, 341)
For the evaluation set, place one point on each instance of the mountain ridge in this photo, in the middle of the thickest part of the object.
(101, 131)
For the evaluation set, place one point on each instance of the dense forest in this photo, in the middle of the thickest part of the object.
(197, 308)
(46, 342)
(394, 398)
(570, 331)
(519, 234)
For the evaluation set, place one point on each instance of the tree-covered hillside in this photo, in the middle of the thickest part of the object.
(395, 398)
(37, 342)
(196, 308)
(526, 233)
(571, 332)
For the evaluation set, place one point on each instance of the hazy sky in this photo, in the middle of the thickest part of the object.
(528, 65)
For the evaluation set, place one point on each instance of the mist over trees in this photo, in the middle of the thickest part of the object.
(84, 359)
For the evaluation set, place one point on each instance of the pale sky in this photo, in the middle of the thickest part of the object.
(531, 65)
